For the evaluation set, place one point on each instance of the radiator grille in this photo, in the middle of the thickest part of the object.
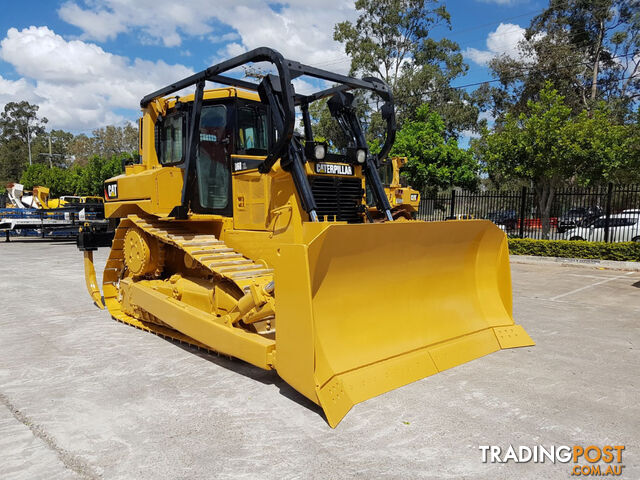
(338, 196)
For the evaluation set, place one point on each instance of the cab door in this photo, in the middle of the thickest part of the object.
(213, 170)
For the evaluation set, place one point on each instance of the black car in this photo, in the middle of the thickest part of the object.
(508, 218)
(578, 217)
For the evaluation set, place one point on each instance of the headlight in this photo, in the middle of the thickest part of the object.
(319, 151)
(361, 155)
(315, 150)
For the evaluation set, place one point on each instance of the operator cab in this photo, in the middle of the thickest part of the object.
(228, 126)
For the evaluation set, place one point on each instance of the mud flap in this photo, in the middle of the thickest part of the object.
(378, 306)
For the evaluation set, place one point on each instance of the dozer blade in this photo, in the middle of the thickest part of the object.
(90, 279)
(364, 309)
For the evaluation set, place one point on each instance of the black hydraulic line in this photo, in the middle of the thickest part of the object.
(294, 160)
(271, 93)
(306, 121)
(301, 181)
(389, 115)
(373, 179)
(341, 108)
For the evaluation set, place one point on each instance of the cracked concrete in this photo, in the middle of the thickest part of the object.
(38, 439)
(83, 396)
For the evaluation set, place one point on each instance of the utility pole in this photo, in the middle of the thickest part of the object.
(51, 155)
(29, 140)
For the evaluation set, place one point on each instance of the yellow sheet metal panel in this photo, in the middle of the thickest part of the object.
(124, 208)
(167, 194)
(294, 320)
(389, 304)
(343, 391)
(199, 326)
(493, 273)
(214, 93)
(514, 336)
(464, 349)
(397, 287)
(251, 200)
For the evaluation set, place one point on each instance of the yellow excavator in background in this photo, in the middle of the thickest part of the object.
(403, 199)
(235, 236)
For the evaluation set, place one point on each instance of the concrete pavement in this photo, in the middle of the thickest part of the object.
(83, 396)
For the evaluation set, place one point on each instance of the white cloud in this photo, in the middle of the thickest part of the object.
(305, 87)
(300, 29)
(158, 20)
(11, 90)
(78, 85)
(503, 41)
(227, 37)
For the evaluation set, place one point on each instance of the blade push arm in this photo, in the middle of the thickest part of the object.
(342, 109)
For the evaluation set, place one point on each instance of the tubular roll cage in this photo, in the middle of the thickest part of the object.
(278, 93)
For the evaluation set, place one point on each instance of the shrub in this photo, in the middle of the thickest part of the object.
(623, 251)
(77, 180)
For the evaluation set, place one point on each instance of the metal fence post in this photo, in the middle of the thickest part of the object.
(523, 201)
(608, 212)
(453, 204)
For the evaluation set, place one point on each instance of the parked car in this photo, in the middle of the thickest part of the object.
(508, 218)
(623, 227)
(578, 217)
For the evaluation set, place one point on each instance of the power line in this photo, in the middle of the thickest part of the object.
(372, 103)
(341, 59)
(524, 70)
(514, 77)
(488, 24)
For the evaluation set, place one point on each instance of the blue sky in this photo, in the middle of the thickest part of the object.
(88, 62)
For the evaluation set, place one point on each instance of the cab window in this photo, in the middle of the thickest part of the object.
(171, 140)
(252, 130)
(212, 165)
(386, 173)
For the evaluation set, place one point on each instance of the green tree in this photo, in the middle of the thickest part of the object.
(114, 140)
(390, 40)
(59, 141)
(90, 178)
(104, 142)
(325, 127)
(433, 162)
(550, 147)
(81, 148)
(77, 180)
(588, 49)
(55, 178)
(601, 32)
(19, 123)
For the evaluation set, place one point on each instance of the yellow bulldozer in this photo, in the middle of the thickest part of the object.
(403, 199)
(240, 236)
